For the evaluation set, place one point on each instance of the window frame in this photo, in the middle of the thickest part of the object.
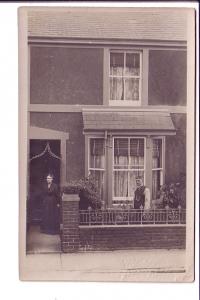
(126, 102)
(129, 198)
(162, 170)
(89, 169)
(108, 190)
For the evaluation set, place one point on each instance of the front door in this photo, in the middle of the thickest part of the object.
(44, 158)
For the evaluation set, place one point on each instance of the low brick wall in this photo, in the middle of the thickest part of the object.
(70, 223)
(75, 237)
(144, 237)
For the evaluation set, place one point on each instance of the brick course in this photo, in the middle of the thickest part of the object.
(107, 238)
(79, 238)
(70, 220)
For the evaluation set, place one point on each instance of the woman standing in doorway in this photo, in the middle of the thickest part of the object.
(50, 207)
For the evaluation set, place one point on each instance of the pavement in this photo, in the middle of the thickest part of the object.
(120, 265)
(38, 242)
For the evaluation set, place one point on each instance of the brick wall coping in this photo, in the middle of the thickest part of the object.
(132, 225)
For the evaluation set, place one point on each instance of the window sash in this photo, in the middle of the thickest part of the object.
(128, 171)
(129, 151)
(134, 96)
(157, 172)
(93, 168)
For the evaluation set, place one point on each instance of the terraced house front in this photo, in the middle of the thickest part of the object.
(108, 99)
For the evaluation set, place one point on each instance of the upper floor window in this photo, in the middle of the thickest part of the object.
(125, 78)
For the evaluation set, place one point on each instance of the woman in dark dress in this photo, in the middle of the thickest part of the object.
(50, 207)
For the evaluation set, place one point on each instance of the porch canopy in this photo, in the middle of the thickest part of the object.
(139, 122)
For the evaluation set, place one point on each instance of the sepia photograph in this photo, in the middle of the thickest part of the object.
(106, 143)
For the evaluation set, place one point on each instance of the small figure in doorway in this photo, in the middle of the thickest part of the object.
(50, 206)
(142, 195)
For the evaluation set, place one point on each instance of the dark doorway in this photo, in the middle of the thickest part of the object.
(44, 158)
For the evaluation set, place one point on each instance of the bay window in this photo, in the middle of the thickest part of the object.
(116, 166)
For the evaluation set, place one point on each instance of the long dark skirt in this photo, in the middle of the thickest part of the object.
(50, 216)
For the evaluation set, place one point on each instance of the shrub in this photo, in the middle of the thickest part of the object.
(172, 195)
(87, 190)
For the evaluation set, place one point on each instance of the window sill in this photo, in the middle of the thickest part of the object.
(124, 103)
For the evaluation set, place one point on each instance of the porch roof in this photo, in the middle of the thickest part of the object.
(128, 120)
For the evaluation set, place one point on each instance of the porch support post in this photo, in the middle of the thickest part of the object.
(106, 76)
(109, 171)
(86, 155)
(145, 72)
(63, 162)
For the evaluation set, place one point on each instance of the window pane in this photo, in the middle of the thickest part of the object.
(97, 153)
(121, 147)
(132, 89)
(116, 89)
(99, 179)
(116, 64)
(121, 184)
(121, 153)
(132, 180)
(157, 153)
(137, 153)
(132, 64)
(137, 147)
(156, 183)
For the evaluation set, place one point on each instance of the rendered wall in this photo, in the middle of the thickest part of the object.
(61, 75)
(167, 77)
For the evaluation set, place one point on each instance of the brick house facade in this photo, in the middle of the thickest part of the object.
(108, 97)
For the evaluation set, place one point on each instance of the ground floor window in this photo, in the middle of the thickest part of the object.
(116, 161)
(157, 166)
(97, 161)
(128, 162)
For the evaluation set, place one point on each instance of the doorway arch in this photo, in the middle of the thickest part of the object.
(38, 133)
(47, 154)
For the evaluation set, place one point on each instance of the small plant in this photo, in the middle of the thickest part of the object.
(87, 190)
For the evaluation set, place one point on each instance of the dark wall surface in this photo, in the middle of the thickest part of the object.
(61, 75)
(167, 77)
(113, 238)
(73, 124)
(175, 152)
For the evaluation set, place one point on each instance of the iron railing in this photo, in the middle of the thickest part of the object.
(132, 216)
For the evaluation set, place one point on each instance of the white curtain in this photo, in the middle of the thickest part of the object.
(99, 178)
(128, 154)
(132, 89)
(117, 84)
(121, 184)
(97, 161)
(122, 69)
(156, 163)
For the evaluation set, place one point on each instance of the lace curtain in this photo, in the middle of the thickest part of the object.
(97, 162)
(124, 67)
(128, 160)
(156, 164)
